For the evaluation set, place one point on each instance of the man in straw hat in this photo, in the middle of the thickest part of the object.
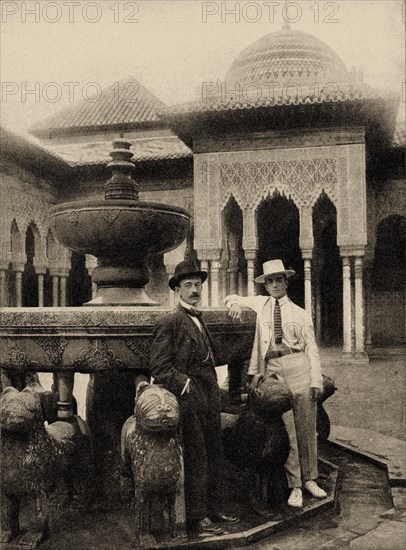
(285, 345)
(182, 359)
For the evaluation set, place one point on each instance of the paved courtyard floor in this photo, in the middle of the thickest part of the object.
(371, 396)
(368, 414)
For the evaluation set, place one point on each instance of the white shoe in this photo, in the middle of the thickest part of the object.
(296, 498)
(315, 490)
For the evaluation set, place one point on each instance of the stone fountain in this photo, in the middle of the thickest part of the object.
(110, 338)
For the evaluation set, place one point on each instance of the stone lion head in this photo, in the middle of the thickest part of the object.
(156, 409)
(19, 411)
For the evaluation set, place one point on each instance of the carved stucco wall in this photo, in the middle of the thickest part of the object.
(300, 174)
(26, 199)
(390, 201)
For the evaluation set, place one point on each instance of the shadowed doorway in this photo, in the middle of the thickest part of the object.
(327, 275)
(278, 237)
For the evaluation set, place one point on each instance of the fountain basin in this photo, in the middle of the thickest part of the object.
(121, 234)
(119, 228)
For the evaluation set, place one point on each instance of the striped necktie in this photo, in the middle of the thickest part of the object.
(277, 323)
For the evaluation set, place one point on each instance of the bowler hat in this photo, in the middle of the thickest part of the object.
(185, 270)
(274, 267)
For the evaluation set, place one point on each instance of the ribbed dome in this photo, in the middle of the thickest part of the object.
(285, 57)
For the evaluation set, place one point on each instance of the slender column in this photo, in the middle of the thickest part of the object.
(250, 246)
(91, 263)
(346, 304)
(94, 290)
(204, 266)
(250, 278)
(233, 281)
(317, 301)
(3, 275)
(65, 382)
(55, 288)
(224, 279)
(250, 257)
(63, 291)
(359, 307)
(215, 282)
(308, 285)
(233, 262)
(240, 283)
(368, 300)
(40, 277)
(19, 288)
(64, 274)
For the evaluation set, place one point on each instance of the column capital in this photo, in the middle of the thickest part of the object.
(64, 272)
(232, 267)
(216, 264)
(352, 250)
(40, 270)
(250, 253)
(209, 254)
(18, 266)
(54, 272)
(307, 253)
(358, 267)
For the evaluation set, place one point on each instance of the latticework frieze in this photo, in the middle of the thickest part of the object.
(391, 202)
(302, 180)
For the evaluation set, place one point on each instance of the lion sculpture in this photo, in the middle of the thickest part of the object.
(151, 454)
(34, 458)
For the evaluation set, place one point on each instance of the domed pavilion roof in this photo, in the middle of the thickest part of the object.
(287, 67)
(287, 56)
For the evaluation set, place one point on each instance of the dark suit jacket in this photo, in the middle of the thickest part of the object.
(178, 351)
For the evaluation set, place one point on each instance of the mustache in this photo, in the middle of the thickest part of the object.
(195, 295)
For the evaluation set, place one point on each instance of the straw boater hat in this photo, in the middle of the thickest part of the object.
(185, 270)
(273, 267)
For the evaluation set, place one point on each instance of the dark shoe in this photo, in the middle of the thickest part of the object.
(222, 518)
(205, 528)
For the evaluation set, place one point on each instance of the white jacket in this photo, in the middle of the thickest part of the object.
(298, 332)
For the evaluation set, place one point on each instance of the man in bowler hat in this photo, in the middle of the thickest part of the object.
(182, 359)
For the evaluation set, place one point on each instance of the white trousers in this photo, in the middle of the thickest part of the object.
(300, 422)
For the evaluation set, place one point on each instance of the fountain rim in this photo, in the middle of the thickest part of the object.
(117, 203)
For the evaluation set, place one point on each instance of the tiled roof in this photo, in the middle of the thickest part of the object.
(216, 104)
(27, 149)
(147, 149)
(126, 102)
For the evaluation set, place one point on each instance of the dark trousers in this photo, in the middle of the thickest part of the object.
(203, 448)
